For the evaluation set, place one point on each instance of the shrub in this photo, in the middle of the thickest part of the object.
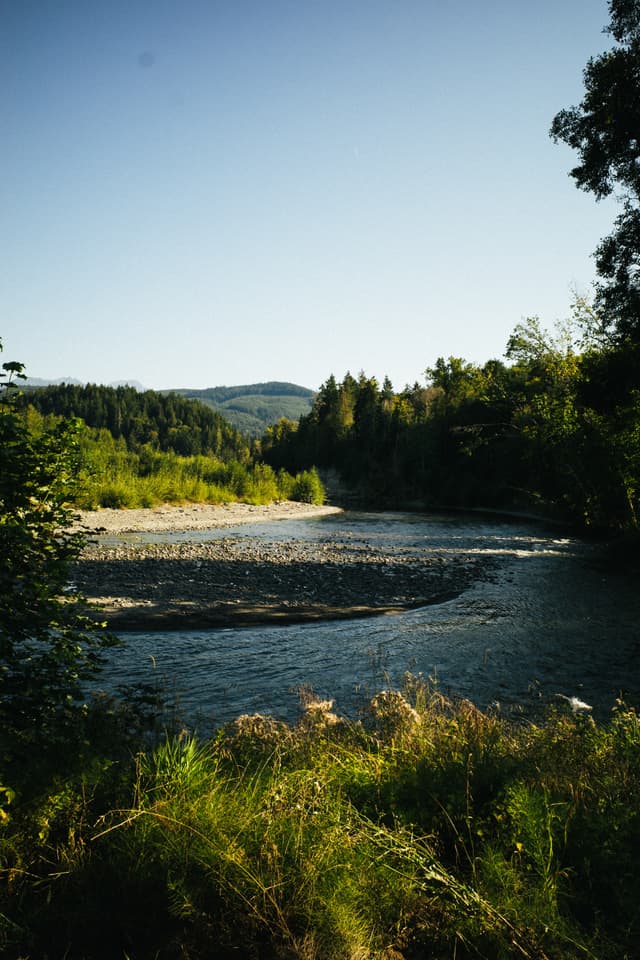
(262, 486)
(115, 496)
(307, 487)
(48, 646)
(335, 839)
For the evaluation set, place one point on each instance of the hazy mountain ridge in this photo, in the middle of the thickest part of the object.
(251, 408)
(271, 388)
(47, 382)
(73, 382)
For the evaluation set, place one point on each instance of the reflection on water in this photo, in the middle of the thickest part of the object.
(550, 620)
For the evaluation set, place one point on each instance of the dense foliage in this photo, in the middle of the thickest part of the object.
(125, 457)
(48, 647)
(605, 130)
(165, 422)
(113, 476)
(425, 830)
(253, 407)
(556, 430)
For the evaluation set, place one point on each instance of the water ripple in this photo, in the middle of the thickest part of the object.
(547, 622)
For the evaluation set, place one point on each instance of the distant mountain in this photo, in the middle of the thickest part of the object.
(252, 407)
(43, 382)
(39, 382)
(140, 387)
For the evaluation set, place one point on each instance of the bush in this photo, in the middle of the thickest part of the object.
(115, 496)
(262, 486)
(307, 487)
(48, 645)
(336, 839)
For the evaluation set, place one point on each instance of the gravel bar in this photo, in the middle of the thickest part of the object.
(238, 580)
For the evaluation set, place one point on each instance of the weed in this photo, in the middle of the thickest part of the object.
(427, 829)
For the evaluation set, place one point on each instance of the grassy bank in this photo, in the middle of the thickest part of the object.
(427, 829)
(110, 472)
(113, 476)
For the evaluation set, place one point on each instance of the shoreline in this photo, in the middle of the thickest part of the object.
(240, 580)
(169, 518)
(122, 618)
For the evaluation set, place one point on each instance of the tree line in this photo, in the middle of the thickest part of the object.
(558, 427)
(273, 388)
(555, 429)
(141, 449)
(427, 828)
(165, 422)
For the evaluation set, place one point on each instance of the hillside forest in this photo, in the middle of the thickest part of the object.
(139, 449)
(252, 407)
(552, 429)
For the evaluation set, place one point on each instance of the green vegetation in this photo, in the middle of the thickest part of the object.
(426, 829)
(556, 431)
(128, 458)
(423, 829)
(47, 645)
(113, 476)
(168, 423)
(604, 129)
(253, 407)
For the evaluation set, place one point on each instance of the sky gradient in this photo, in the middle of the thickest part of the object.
(207, 193)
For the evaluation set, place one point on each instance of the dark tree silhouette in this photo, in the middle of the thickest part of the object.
(605, 131)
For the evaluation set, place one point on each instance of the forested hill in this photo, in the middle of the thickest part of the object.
(253, 407)
(556, 431)
(167, 422)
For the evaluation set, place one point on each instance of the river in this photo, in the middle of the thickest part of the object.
(549, 621)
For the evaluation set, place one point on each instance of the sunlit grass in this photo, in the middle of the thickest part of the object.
(118, 478)
(425, 829)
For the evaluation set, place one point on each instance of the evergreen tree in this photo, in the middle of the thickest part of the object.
(168, 422)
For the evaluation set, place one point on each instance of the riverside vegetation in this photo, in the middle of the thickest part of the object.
(555, 432)
(426, 829)
(141, 450)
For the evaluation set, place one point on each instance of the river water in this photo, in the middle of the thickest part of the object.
(549, 620)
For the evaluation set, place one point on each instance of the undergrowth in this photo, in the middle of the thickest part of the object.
(121, 478)
(427, 829)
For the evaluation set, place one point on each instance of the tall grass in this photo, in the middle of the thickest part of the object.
(113, 476)
(425, 829)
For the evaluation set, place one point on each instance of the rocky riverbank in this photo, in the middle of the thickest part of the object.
(194, 516)
(240, 580)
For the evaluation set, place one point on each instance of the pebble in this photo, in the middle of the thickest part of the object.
(286, 575)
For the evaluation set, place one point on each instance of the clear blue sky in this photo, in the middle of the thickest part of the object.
(229, 191)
